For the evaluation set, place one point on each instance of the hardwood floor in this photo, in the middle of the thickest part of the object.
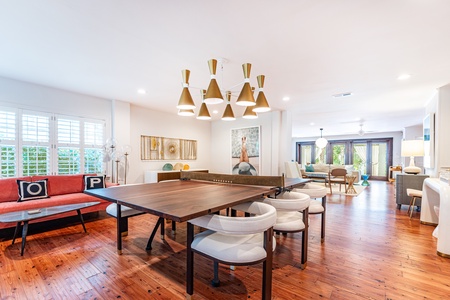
(371, 251)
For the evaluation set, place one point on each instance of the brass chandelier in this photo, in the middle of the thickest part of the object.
(213, 95)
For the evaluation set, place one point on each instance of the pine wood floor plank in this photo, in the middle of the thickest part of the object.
(371, 251)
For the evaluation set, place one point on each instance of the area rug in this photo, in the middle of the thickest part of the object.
(335, 188)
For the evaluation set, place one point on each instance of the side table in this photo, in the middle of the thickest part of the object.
(365, 182)
(350, 181)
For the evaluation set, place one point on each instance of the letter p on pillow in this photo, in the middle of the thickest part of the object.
(94, 182)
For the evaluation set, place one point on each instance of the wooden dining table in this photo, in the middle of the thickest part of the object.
(183, 200)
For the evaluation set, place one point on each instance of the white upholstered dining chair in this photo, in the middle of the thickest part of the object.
(236, 240)
(316, 191)
(292, 216)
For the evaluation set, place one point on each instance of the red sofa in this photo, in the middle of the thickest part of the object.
(62, 189)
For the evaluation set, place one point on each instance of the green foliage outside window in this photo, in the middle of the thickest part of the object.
(68, 160)
(93, 159)
(8, 161)
(35, 160)
(338, 154)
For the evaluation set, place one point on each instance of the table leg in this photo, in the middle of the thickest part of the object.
(81, 218)
(267, 265)
(174, 227)
(16, 231)
(160, 222)
(24, 236)
(119, 234)
(190, 260)
(304, 259)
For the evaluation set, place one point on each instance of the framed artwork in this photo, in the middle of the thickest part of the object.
(162, 148)
(428, 141)
(245, 151)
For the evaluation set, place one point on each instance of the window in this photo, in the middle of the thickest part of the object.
(35, 144)
(8, 143)
(49, 144)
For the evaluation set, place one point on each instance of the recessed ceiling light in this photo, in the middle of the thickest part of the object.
(142, 91)
(342, 95)
(286, 98)
(312, 123)
(404, 76)
(215, 112)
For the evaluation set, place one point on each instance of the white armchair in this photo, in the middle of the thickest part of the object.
(292, 216)
(236, 240)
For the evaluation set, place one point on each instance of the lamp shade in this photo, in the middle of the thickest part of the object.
(246, 98)
(249, 113)
(213, 94)
(412, 148)
(228, 114)
(186, 112)
(261, 102)
(321, 142)
(203, 113)
(185, 101)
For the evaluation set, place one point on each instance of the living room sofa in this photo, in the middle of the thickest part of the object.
(61, 189)
(322, 170)
(316, 171)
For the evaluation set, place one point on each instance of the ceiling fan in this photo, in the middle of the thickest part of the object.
(361, 131)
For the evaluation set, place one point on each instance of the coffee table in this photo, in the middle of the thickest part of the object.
(27, 215)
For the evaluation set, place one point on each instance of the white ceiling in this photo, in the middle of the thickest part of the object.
(308, 50)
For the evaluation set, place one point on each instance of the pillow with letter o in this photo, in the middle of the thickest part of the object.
(94, 182)
(32, 190)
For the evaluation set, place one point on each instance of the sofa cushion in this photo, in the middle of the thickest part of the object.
(94, 182)
(63, 184)
(8, 188)
(309, 168)
(48, 202)
(29, 190)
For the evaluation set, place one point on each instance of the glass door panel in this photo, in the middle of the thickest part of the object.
(379, 159)
(305, 154)
(321, 155)
(338, 154)
(360, 157)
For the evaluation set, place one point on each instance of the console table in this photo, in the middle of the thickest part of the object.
(407, 181)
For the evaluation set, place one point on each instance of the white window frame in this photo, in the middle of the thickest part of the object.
(53, 144)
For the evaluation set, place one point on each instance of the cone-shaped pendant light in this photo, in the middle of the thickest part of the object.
(185, 101)
(203, 114)
(249, 113)
(213, 94)
(186, 112)
(228, 114)
(261, 102)
(246, 96)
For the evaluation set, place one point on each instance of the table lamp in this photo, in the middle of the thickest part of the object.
(412, 148)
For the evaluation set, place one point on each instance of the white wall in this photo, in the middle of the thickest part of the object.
(25, 95)
(153, 123)
(439, 104)
(270, 123)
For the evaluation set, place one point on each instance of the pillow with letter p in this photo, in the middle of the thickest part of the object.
(32, 190)
(94, 182)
